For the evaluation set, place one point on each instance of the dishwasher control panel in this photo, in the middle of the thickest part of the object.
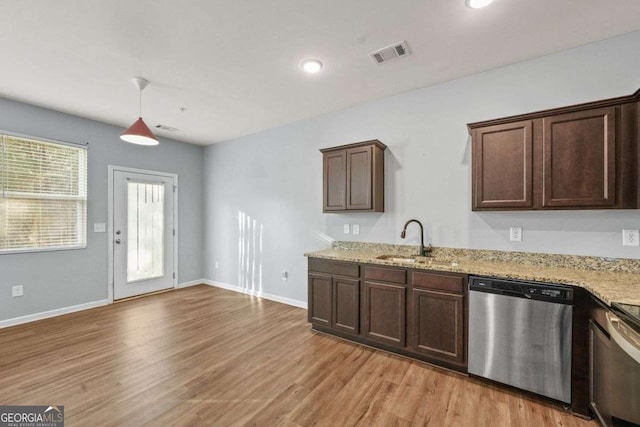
(532, 290)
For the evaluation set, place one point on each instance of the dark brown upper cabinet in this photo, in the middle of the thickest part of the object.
(353, 177)
(502, 163)
(578, 157)
(335, 181)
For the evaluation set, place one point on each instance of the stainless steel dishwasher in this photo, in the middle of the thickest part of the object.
(520, 335)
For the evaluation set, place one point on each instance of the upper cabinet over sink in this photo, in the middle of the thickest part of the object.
(353, 177)
(579, 157)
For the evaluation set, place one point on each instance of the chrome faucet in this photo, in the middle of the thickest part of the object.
(423, 251)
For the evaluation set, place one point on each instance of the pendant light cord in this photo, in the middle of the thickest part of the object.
(140, 103)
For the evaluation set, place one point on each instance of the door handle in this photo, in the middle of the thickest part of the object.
(624, 337)
(117, 241)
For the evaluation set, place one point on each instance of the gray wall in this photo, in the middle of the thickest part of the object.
(274, 178)
(54, 280)
(262, 193)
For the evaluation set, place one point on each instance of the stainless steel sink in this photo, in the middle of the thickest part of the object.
(441, 263)
(416, 260)
(398, 258)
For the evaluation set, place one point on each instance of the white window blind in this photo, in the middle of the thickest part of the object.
(43, 195)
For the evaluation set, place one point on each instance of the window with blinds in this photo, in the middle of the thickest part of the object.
(43, 195)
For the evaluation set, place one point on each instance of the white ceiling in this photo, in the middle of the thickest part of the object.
(234, 64)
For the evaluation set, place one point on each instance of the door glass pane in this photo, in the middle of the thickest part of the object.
(145, 217)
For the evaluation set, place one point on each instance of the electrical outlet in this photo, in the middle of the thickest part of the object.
(285, 275)
(217, 265)
(17, 291)
(630, 238)
(345, 229)
(355, 228)
(515, 234)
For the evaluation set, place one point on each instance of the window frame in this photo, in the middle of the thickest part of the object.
(83, 146)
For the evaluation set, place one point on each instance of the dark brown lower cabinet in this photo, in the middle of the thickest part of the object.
(334, 302)
(346, 305)
(599, 374)
(384, 313)
(416, 313)
(319, 304)
(438, 325)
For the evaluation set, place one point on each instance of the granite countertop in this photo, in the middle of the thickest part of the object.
(611, 280)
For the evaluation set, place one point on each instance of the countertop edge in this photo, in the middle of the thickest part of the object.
(462, 269)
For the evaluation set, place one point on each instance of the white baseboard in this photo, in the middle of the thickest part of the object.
(276, 298)
(86, 306)
(52, 313)
(191, 283)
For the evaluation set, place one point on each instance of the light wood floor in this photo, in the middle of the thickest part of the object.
(206, 356)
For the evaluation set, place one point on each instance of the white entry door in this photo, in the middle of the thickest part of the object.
(143, 233)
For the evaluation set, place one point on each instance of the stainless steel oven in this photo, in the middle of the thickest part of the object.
(625, 370)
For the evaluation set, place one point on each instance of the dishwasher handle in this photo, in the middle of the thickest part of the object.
(519, 289)
(515, 294)
(626, 338)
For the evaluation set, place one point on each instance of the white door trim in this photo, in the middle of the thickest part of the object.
(111, 170)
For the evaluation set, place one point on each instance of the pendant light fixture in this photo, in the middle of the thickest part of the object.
(139, 133)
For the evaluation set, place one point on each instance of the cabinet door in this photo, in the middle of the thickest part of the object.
(359, 178)
(346, 305)
(579, 159)
(384, 313)
(599, 374)
(335, 181)
(502, 166)
(438, 325)
(319, 310)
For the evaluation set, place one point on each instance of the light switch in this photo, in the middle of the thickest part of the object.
(355, 229)
(99, 227)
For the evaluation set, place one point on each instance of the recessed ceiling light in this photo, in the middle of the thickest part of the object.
(311, 65)
(478, 4)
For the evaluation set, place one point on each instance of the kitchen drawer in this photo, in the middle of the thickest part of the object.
(453, 283)
(381, 274)
(334, 267)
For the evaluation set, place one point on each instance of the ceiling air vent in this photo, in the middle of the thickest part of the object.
(167, 128)
(390, 52)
